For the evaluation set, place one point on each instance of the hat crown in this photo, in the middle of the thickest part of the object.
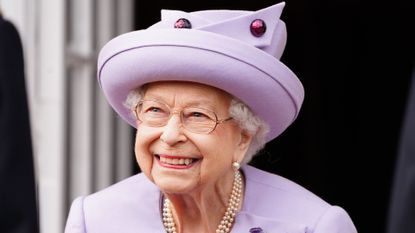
(235, 24)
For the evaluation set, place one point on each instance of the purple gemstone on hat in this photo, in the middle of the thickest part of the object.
(256, 230)
(258, 27)
(182, 23)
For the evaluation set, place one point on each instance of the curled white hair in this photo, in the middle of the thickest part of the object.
(252, 124)
(133, 97)
(239, 112)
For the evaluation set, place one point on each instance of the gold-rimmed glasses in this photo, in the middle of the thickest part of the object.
(194, 119)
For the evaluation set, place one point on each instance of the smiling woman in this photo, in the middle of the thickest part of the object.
(158, 149)
(205, 91)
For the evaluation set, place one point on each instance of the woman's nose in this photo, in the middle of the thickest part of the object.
(173, 131)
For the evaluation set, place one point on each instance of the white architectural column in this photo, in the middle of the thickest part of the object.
(105, 125)
(80, 67)
(49, 109)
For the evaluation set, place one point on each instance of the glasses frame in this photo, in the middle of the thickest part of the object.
(217, 121)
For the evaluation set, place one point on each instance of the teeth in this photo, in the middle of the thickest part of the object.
(188, 161)
(176, 161)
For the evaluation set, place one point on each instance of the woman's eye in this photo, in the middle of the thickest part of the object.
(198, 114)
(154, 109)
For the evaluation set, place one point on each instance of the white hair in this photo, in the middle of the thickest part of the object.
(239, 112)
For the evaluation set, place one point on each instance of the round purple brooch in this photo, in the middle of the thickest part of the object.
(258, 27)
(182, 23)
(256, 230)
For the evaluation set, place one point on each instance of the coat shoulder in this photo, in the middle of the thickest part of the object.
(276, 190)
(126, 206)
(276, 201)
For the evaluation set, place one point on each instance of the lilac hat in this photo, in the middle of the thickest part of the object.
(236, 51)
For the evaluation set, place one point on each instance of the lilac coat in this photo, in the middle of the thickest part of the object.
(272, 203)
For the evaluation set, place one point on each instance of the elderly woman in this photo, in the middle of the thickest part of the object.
(206, 91)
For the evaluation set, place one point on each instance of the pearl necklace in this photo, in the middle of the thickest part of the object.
(227, 219)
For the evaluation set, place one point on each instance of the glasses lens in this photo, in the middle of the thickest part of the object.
(156, 114)
(198, 120)
(153, 113)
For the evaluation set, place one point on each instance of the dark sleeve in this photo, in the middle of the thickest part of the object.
(17, 184)
(402, 208)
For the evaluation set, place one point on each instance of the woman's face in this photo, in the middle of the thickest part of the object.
(164, 153)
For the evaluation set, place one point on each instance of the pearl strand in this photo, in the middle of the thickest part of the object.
(228, 218)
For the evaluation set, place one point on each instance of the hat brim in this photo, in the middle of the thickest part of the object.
(267, 86)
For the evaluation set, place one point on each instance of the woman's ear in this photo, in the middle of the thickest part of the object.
(245, 139)
(243, 145)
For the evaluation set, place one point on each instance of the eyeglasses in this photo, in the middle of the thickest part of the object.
(194, 119)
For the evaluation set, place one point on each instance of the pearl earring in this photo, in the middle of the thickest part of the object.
(236, 166)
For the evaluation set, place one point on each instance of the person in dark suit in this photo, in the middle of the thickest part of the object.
(18, 212)
(402, 209)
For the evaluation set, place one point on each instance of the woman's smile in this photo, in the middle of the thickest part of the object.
(175, 162)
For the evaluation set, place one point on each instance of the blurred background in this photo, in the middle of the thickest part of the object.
(354, 58)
